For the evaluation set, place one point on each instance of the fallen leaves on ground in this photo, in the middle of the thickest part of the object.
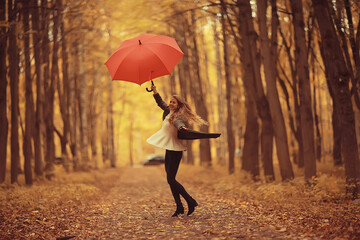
(136, 203)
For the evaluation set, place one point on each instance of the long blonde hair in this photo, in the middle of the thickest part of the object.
(185, 113)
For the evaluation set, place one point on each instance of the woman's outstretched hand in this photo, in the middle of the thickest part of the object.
(153, 87)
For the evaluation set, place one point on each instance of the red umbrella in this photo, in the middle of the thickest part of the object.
(144, 58)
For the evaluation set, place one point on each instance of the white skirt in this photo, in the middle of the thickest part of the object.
(166, 137)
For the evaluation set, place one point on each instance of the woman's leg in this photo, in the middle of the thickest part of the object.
(172, 162)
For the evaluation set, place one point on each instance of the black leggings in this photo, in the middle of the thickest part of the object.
(172, 162)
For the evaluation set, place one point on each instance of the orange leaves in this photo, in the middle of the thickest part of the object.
(136, 203)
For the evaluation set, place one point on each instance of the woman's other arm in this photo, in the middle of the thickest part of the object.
(180, 124)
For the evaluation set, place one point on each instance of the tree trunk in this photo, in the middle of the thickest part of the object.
(94, 116)
(355, 46)
(39, 121)
(339, 82)
(73, 103)
(184, 68)
(250, 60)
(250, 159)
(221, 126)
(83, 110)
(295, 123)
(229, 127)
(200, 102)
(131, 141)
(63, 90)
(29, 104)
(3, 86)
(335, 115)
(110, 124)
(14, 89)
(307, 124)
(269, 61)
(48, 95)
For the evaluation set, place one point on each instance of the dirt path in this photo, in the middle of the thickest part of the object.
(140, 206)
(136, 203)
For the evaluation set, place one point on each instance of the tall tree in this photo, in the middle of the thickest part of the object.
(338, 77)
(63, 89)
(110, 122)
(14, 89)
(93, 116)
(229, 123)
(73, 113)
(307, 123)
(199, 97)
(253, 83)
(221, 126)
(269, 61)
(181, 33)
(39, 121)
(250, 160)
(3, 86)
(48, 92)
(295, 122)
(29, 101)
(110, 126)
(83, 106)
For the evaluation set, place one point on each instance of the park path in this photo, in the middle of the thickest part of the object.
(140, 205)
(136, 203)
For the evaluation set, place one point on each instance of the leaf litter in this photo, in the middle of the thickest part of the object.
(136, 203)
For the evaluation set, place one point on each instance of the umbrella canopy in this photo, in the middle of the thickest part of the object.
(143, 58)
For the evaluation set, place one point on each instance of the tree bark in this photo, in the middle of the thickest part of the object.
(250, 159)
(338, 76)
(229, 123)
(14, 90)
(29, 101)
(200, 103)
(110, 126)
(3, 100)
(269, 61)
(250, 60)
(307, 123)
(295, 123)
(221, 126)
(63, 90)
(94, 116)
(184, 68)
(39, 121)
(83, 109)
(48, 94)
(73, 103)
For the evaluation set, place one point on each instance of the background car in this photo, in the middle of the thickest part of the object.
(154, 159)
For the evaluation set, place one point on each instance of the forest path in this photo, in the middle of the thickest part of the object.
(140, 206)
(136, 203)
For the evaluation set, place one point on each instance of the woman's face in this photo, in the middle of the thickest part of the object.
(173, 104)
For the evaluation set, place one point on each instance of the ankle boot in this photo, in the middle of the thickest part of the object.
(179, 210)
(191, 205)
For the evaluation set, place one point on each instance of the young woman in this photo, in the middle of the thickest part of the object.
(177, 115)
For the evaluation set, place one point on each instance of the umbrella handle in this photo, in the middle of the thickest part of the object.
(152, 83)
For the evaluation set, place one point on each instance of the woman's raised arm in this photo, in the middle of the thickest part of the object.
(158, 99)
